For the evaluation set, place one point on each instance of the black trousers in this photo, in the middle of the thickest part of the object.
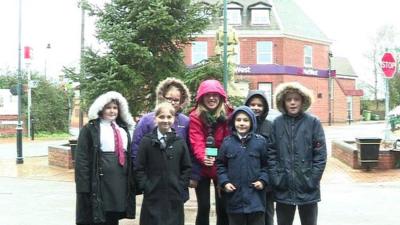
(203, 203)
(308, 213)
(112, 218)
(246, 219)
(269, 209)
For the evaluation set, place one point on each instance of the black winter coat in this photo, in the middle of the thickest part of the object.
(89, 200)
(297, 159)
(241, 164)
(163, 176)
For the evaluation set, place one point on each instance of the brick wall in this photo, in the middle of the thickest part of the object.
(290, 52)
(348, 154)
(60, 156)
(286, 51)
(9, 129)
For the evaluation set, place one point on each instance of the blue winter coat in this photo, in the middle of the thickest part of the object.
(242, 164)
(297, 159)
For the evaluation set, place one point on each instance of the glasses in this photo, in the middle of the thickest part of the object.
(172, 100)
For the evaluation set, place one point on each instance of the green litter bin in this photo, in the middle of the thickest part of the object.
(375, 117)
(367, 115)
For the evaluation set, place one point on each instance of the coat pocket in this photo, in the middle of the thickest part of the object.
(306, 180)
(279, 180)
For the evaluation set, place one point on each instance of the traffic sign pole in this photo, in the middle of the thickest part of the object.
(388, 65)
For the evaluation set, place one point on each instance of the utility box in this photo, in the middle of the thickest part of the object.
(368, 151)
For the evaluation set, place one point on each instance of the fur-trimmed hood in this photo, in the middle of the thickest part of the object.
(163, 86)
(285, 88)
(106, 98)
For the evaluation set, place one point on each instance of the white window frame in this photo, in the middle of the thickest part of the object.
(260, 16)
(264, 49)
(199, 51)
(308, 56)
(234, 16)
(267, 88)
(236, 57)
(349, 100)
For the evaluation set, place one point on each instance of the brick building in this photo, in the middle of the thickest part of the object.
(278, 43)
(8, 112)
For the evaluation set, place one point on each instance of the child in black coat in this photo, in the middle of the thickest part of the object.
(163, 171)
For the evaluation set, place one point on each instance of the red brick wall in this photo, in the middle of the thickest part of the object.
(340, 101)
(285, 51)
(290, 52)
(9, 129)
(293, 53)
(349, 156)
(60, 156)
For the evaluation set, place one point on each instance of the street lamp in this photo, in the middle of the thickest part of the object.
(48, 47)
(330, 87)
(225, 57)
(20, 159)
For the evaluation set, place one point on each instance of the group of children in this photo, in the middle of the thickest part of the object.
(251, 161)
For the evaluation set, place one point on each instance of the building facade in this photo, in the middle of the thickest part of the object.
(275, 42)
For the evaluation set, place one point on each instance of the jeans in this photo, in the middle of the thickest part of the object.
(203, 203)
(308, 213)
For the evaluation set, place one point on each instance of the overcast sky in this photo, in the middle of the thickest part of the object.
(349, 24)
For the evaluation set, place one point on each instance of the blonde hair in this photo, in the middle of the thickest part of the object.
(164, 106)
(201, 109)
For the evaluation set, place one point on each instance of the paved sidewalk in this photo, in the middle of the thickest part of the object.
(37, 194)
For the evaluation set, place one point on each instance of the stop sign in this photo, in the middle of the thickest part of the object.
(388, 65)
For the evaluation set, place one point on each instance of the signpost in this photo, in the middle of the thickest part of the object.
(388, 65)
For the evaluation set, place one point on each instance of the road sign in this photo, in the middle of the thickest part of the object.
(388, 65)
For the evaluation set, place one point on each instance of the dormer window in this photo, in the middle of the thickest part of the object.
(260, 14)
(234, 15)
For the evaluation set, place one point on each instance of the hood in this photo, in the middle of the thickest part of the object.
(249, 112)
(210, 86)
(104, 99)
(261, 94)
(284, 88)
(163, 86)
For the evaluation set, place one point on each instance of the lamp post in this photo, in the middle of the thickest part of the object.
(83, 7)
(20, 159)
(225, 57)
(48, 47)
(330, 87)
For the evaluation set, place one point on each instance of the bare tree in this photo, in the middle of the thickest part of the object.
(384, 40)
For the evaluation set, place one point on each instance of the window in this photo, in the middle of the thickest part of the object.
(267, 88)
(349, 100)
(234, 17)
(199, 51)
(307, 56)
(234, 14)
(260, 16)
(264, 52)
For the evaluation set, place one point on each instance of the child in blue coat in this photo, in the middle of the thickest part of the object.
(242, 169)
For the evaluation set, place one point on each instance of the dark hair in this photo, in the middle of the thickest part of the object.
(115, 101)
